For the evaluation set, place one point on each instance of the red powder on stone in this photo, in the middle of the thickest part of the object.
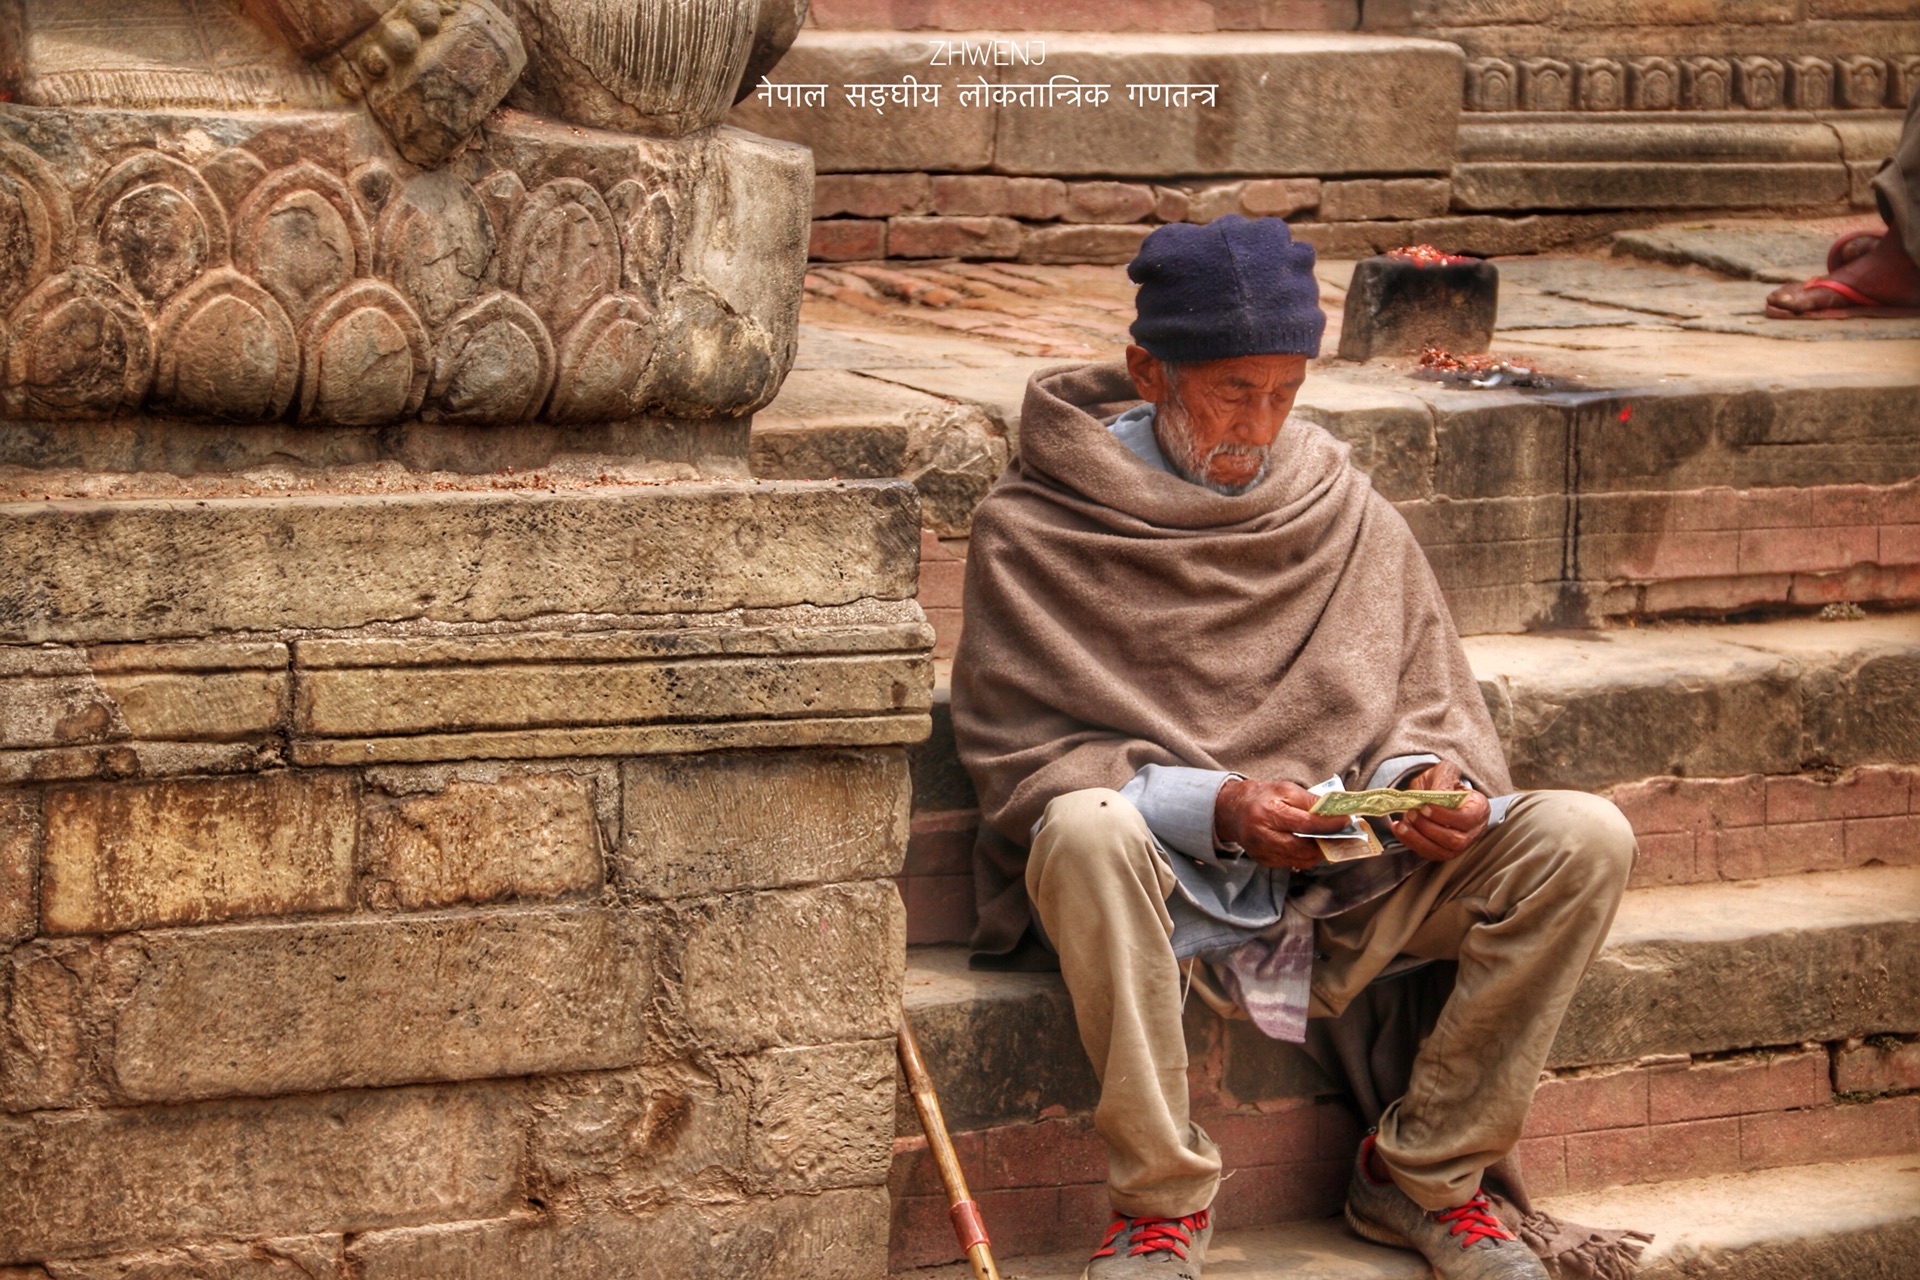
(1425, 255)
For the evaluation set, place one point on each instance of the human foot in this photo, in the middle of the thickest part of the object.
(1462, 1243)
(1879, 282)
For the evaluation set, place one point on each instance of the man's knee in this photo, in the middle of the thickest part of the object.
(1087, 834)
(1594, 842)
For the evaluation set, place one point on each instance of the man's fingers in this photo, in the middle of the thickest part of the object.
(1421, 845)
(1468, 817)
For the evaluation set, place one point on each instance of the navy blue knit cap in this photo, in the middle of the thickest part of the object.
(1233, 287)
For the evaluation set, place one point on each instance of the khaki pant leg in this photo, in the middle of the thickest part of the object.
(1523, 913)
(1100, 888)
(1896, 188)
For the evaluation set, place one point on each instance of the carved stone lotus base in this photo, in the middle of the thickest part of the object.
(291, 267)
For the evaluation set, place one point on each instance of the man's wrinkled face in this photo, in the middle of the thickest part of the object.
(1216, 420)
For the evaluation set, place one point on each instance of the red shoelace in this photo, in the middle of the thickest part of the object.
(1474, 1220)
(1157, 1235)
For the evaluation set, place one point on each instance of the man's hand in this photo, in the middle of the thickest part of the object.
(1441, 834)
(1261, 817)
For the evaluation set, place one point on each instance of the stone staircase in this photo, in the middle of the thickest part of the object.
(1689, 584)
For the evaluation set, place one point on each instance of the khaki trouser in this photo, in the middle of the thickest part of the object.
(1523, 912)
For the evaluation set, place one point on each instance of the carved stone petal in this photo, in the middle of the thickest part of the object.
(363, 358)
(603, 361)
(564, 252)
(36, 223)
(80, 348)
(226, 350)
(494, 365)
(302, 236)
(436, 244)
(154, 224)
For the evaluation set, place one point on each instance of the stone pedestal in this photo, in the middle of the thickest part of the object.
(447, 811)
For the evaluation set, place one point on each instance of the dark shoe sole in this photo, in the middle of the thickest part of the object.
(1379, 1235)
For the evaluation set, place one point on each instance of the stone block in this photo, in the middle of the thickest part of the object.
(850, 137)
(527, 835)
(1109, 244)
(839, 1235)
(274, 1009)
(1107, 202)
(1396, 306)
(133, 855)
(370, 701)
(871, 195)
(325, 562)
(847, 240)
(979, 238)
(1016, 1029)
(720, 823)
(811, 966)
(162, 705)
(1622, 185)
(1365, 199)
(44, 1026)
(1258, 198)
(990, 195)
(611, 1138)
(822, 1117)
(21, 833)
(1593, 713)
(291, 1258)
(1323, 105)
(57, 711)
(96, 1182)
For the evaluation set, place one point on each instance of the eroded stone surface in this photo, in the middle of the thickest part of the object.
(20, 836)
(269, 1009)
(806, 967)
(527, 835)
(247, 564)
(131, 855)
(823, 1117)
(823, 1237)
(703, 824)
(80, 1183)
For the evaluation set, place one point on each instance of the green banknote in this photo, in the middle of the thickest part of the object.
(1381, 801)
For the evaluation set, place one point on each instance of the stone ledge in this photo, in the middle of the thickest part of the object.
(1852, 1218)
(253, 564)
(1772, 697)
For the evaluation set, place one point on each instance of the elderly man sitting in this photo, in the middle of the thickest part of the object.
(1182, 608)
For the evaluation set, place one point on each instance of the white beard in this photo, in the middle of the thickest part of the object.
(1172, 428)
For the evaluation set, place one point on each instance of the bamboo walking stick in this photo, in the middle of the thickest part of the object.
(966, 1214)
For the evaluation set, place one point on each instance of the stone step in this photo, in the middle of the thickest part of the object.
(1737, 751)
(1688, 970)
(994, 16)
(1852, 1220)
(1726, 471)
(1709, 1038)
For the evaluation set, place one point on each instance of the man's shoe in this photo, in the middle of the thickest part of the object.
(1152, 1248)
(1463, 1243)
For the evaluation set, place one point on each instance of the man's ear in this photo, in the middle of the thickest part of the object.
(1148, 374)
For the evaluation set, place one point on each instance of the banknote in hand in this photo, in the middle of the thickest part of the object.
(1381, 801)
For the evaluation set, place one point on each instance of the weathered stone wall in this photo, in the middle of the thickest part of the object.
(447, 811)
(458, 885)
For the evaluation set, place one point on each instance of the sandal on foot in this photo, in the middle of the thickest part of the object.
(1864, 308)
(1843, 250)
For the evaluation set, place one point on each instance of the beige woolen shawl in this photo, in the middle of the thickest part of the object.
(1118, 616)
